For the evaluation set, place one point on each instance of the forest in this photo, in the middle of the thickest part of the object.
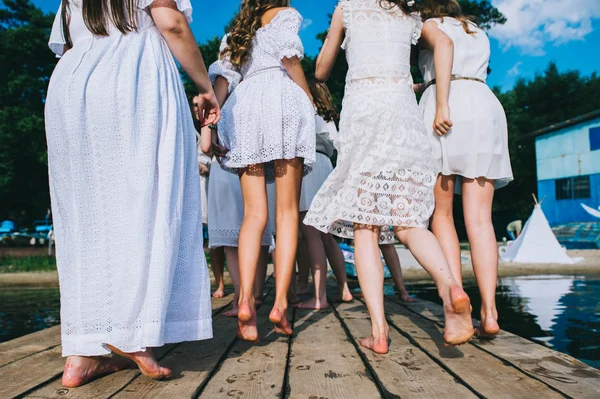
(26, 64)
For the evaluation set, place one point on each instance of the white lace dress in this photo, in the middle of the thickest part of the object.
(125, 191)
(267, 116)
(385, 171)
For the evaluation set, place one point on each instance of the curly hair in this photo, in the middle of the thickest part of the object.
(445, 8)
(244, 27)
(323, 101)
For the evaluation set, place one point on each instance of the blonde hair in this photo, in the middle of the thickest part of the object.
(244, 27)
(445, 8)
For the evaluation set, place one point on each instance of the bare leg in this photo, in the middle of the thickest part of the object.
(457, 306)
(146, 361)
(231, 254)
(370, 277)
(302, 259)
(393, 262)
(478, 196)
(338, 265)
(79, 370)
(442, 224)
(217, 262)
(254, 192)
(318, 263)
(288, 180)
(261, 275)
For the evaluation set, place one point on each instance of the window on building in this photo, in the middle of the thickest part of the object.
(581, 187)
(564, 189)
(595, 138)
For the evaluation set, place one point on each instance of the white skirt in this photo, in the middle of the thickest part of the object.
(314, 180)
(226, 209)
(477, 144)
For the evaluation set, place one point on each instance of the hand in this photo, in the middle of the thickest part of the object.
(217, 150)
(207, 109)
(442, 123)
(204, 170)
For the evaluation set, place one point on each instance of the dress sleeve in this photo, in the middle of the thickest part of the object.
(185, 6)
(223, 67)
(57, 41)
(288, 41)
(417, 27)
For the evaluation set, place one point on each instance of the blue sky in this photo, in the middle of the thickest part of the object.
(537, 32)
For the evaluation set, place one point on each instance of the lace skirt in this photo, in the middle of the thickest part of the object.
(385, 172)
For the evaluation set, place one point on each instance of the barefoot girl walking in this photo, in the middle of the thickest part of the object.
(124, 183)
(472, 151)
(385, 172)
(268, 130)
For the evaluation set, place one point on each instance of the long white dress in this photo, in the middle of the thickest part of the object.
(477, 144)
(268, 116)
(125, 191)
(385, 171)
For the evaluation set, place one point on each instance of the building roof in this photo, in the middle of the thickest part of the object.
(562, 125)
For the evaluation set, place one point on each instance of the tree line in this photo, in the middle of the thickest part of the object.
(26, 64)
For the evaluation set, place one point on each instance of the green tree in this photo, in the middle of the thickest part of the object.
(25, 65)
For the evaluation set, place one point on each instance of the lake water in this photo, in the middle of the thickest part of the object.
(561, 312)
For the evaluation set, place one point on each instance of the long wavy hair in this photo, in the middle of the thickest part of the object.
(323, 101)
(98, 13)
(445, 8)
(244, 27)
(401, 4)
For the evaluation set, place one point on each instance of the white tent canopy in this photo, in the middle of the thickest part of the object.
(537, 243)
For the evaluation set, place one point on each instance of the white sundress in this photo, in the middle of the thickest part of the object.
(267, 115)
(385, 171)
(125, 191)
(477, 144)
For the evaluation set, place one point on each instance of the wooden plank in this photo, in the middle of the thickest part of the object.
(493, 377)
(323, 362)
(560, 371)
(28, 345)
(253, 370)
(405, 371)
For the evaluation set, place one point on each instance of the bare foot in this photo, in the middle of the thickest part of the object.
(233, 312)
(405, 297)
(80, 370)
(293, 299)
(279, 318)
(219, 292)
(378, 345)
(346, 295)
(247, 329)
(302, 289)
(258, 300)
(488, 327)
(457, 313)
(312, 303)
(146, 362)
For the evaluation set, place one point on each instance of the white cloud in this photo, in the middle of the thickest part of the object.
(531, 24)
(306, 23)
(515, 70)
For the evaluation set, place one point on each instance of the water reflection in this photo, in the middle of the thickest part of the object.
(561, 312)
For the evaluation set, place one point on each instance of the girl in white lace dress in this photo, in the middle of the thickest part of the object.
(385, 171)
(267, 132)
(124, 183)
(472, 152)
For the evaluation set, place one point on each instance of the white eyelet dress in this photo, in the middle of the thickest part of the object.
(385, 172)
(477, 144)
(125, 191)
(268, 116)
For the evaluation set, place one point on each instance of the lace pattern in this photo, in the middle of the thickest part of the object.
(223, 67)
(185, 6)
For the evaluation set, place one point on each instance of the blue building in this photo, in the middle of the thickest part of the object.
(568, 169)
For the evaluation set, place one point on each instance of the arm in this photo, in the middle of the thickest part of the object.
(174, 27)
(331, 46)
(208, 136)
(443, 57)
(294, 69)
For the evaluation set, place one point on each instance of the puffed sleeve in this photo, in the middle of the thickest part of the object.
(223, 67)
(287, 25)
(417, 26)
(185, 6)
(57, 41)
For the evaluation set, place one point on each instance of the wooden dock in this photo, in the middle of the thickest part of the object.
(321, 360)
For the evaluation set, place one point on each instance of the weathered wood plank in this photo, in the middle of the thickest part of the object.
(28, 345)
(253, 370)
(405, 371)
(494, 378)
(323, 362)
(562, 372)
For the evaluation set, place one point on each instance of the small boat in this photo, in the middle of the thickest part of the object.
(348, 252)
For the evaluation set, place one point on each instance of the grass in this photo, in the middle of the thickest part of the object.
(9, 264)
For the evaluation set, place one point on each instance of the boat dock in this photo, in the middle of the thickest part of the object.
(321, 360)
